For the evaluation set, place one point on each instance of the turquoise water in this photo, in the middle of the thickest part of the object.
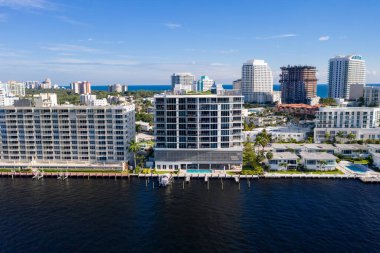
(357, 169)
(198, 171)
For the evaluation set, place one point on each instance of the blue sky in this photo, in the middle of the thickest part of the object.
(145, 41)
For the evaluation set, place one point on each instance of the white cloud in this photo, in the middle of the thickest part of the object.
(69, 48)
(324, 38)
(228, 51)
(279, 36)
(217, 64)
(172, 25)
(28, 4)
(105, 62)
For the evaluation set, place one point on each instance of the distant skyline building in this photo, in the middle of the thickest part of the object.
(345, 71)
(298, 84)
(117, 87)
(81, 87)
(46, 84)
(257, 82)
(204, 83)
(182, 78)
(236, 84)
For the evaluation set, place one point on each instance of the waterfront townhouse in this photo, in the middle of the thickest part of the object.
(288, 147)
(283, 161)
(352, 150)
(198, 131)
(318, 160)
(356, 123)
(321, 147)
(66, 135)
(374, 151)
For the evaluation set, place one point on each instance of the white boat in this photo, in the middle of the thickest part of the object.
(164, 180)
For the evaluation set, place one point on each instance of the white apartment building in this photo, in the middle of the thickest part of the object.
(279, 134)
(345, 71)
(372, 95)
(15, 89)
(198, 131)
(361, 121)
(257, 82)
(6, 98)
(182, 78)
(91, 100)
(45, 100)
(66, 135)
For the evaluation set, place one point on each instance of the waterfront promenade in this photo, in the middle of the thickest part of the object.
(188, 176)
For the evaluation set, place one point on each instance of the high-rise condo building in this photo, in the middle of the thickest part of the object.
(345, 71)
(182, 78)
(198, 131)
(204, 84)
(68, 135)
(298, 84)
(257, 82)
(81, 87)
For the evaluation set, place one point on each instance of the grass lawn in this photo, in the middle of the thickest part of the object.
(361, 162)
(306, 172)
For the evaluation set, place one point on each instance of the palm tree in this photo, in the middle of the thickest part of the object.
(284, 165)
(340, 134)
(321, 163)
(134, 147)
(351, 136)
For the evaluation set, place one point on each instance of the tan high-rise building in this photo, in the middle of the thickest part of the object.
(81, 87)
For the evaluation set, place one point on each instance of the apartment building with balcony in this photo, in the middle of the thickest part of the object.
(363, 122)
(66, 135)
(198, 131)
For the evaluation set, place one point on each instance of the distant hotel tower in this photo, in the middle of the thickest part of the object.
(345, 72)
(257, 82)
(298, 83)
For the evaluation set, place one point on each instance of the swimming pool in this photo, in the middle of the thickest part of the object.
(198, 171)
(357, 169)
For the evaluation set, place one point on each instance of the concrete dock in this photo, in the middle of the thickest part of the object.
(118, 175)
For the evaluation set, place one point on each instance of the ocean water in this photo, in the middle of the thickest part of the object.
(104, 215)
(322, 89)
